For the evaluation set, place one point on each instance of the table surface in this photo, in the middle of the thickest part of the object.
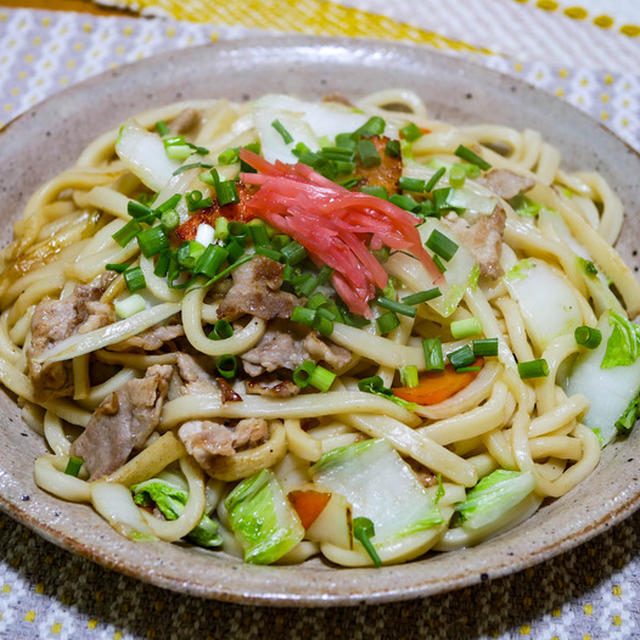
(590, 592)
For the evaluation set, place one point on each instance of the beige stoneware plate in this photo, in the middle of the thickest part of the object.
(48, 138)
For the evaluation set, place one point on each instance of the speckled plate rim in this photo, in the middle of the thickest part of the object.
(303, 67)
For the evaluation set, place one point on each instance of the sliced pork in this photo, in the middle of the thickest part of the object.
(505, 183)
(151, 339)
(483, 239)
(256, 291)
(123, 422)
(55, 320)
(206, 440)
(281, 348)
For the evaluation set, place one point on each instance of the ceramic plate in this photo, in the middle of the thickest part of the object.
(48, 138)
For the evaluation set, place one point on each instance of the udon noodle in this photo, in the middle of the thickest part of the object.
(280, 329)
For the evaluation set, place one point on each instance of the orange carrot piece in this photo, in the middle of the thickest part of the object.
(309, 505)
(436, 386)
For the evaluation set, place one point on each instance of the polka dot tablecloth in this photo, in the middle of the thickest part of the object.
(587, 53)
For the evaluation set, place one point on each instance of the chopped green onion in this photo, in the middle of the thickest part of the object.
(363, 531)
(387, 322)
(135, 279)
(525, 207)
(207, 178)
(392, 148)
(238, 230)
(485, 347)
(375, 190)
(279, 127)
(324, 275)
(372, 384)
(411, 132)
(468, 369)
(294, 253)
(440, 198)
(170, 220)
(153, 241)
(162, 128)
(259, 234)
(227, 366)
(403, 201)
(73, 466)
(346, 141)
(269, 253)
(349, 183)
(195, 200)
(227, 193)
(222, 330)
(533, 369)
(433, 180)
(457, 176)
(465, 328)
(321, 379)
(229, 156)
(316, 301)
(118, 267)
(422, 296)
(280, 240)
(409, 375)
(588, 337)
(303, 315)
(178, 152)
(439, 263)
(139, 211)
(340, 154)
(210, 261)
(374, 126)
(427, 210)
(188, 254)
(441, 245)
(398, 307)
(302, 374)
(323, 322)
(127, 233)
(235, 251)
(162, 265)
(307, 286)
(368, 153)
(130, 305)
(221, 228)
(462, 357)
(191, 165)
(466, 154)
(411, 184)
(433, 357)
(169, 204)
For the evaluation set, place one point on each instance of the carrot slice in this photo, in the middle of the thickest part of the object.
(437, 386)
(309, 505)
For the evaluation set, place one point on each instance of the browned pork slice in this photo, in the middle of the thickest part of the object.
(206, 440)
(483, 239)
(151, 339)
(280, 348)
(505, 183)
(123, 422)
(272, 387)
(196, 380)
(256, 291)
(55, 320)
